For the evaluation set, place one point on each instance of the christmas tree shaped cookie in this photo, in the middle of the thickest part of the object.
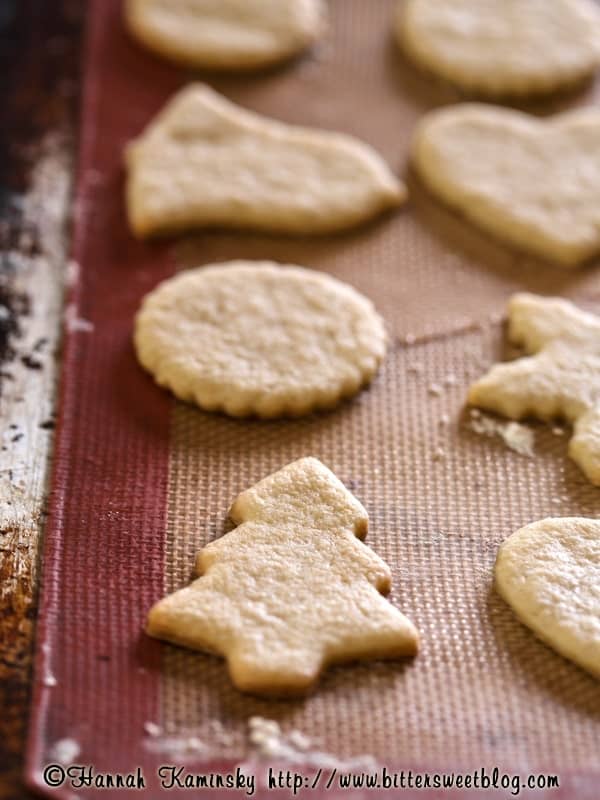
(561, 377)
(291, 590)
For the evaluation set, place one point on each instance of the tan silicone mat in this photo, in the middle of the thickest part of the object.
(440, 497)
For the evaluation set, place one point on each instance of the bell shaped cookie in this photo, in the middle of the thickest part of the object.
(205, 161)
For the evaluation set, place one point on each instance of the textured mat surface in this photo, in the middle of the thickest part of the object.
(141, 482)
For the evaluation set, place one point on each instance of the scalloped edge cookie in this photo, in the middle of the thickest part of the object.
(259, 339)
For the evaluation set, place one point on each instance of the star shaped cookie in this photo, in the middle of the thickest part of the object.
(560, 378)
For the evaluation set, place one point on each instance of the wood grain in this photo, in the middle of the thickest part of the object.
(39, 81)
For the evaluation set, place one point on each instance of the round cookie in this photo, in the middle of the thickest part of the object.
(502, 46)
(258, 338)
(226, 34)
(549, 572)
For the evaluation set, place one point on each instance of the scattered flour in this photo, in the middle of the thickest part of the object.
(415, 369)
(518, 437)
(266, 742)
(178, 747)
(269, 741)
(65, 751)
(75, 323)
(223, 737)
(439, 454)
(72, 271)
(152, 729)
(437, 389)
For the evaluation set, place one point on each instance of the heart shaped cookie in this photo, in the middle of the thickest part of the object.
(549, 572)
(502, 46)
(205, 161)
(533, 183)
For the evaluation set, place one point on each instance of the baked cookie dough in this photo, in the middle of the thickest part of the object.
(207, 162)
(560, 377)
(497, 47)
(533, 183)
(549, 572)
(226, 34)
(291, 590)
(257, 338)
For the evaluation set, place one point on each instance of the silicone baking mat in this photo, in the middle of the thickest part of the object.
(142, 482)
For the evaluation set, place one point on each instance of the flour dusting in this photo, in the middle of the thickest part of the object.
(294, 747)
(518, 437)
(65, 751)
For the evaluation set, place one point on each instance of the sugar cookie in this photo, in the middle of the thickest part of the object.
(226, 34)
(257, 338)
(533, 183)
(502, 46)
(561, 377)
(291, 590)
(549, 572)
(207, 162)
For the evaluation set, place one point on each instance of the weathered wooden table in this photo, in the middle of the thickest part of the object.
(39, 80)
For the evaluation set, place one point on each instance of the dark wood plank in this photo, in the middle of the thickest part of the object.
(40, 44)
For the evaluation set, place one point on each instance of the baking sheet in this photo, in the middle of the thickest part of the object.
(142, 482)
